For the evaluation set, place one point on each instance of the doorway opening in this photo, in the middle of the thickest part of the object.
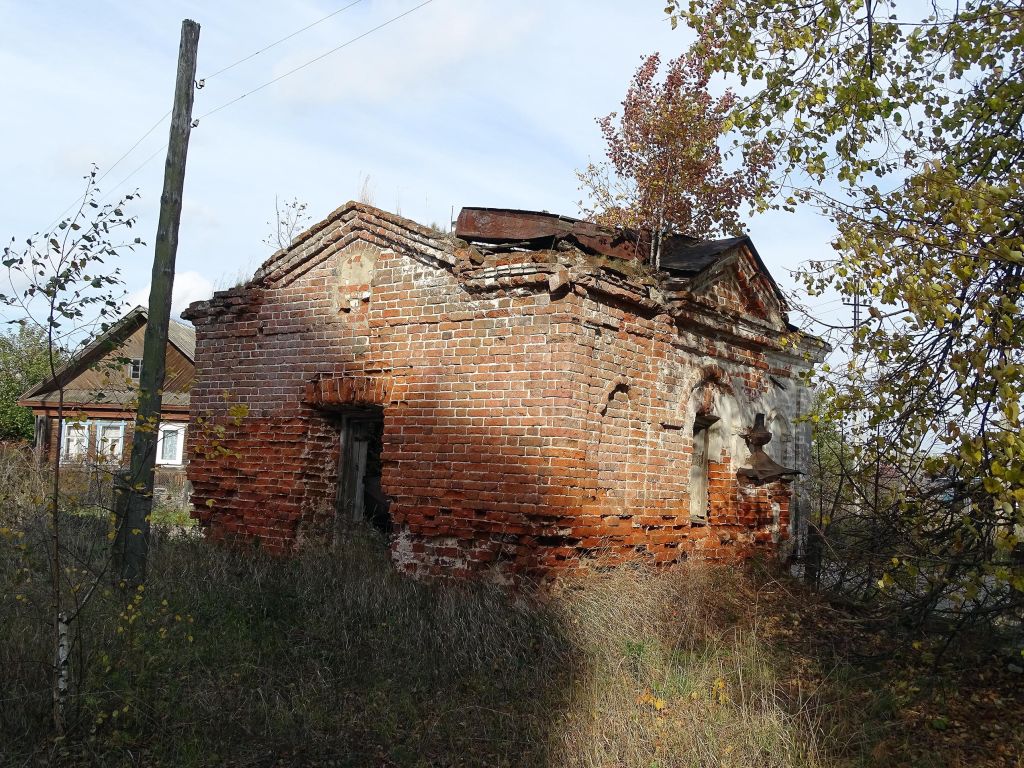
(360, 496)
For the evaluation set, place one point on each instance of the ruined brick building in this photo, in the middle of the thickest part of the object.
(513, 398)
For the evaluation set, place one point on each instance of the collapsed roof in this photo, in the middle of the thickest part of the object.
(681, 255)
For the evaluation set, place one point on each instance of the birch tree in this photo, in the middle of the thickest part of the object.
(62, 283)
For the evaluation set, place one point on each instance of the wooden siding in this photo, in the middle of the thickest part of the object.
(110, 373)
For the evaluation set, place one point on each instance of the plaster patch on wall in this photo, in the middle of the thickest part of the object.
(353, 274)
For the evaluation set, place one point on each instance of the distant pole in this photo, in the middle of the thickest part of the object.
(856, 304)
(133, 489)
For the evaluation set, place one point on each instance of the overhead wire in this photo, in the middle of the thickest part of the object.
(314, 60)
(266, 48)
(138, 168)
(163, 117)
(280, 77)
(117, 162)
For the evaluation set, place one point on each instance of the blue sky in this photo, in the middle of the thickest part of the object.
(463, 102)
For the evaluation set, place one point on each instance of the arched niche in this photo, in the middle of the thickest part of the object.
(712, 411)
(781, 446)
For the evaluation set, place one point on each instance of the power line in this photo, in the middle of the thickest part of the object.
(227, 104)
(138, 168)
(112, 167)
(221, 71)
(278, 42)
(324, 55)
(166, 114)
(133, 146)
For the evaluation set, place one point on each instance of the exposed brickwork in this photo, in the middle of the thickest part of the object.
(538, 407)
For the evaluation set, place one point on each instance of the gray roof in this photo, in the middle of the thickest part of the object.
(73, 397)
(679, 255)
(183, 337)
(180, 335)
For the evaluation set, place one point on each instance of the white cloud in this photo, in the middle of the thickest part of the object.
(415, 57)
(188, 287)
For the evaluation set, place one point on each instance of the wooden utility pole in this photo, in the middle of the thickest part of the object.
(133, 489)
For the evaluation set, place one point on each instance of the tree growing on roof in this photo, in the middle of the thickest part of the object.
(290, 219)
(665, 171)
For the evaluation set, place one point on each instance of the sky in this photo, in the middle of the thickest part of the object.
(460, 102)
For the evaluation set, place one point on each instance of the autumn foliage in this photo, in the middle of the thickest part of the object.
(665, 170)
(902, 124)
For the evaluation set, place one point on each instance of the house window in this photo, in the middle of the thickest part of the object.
(109, 441)
(699, 498)
(135, 369)
(170, 444)
(74, 441)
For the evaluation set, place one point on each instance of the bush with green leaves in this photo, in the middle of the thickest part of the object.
(24, 362)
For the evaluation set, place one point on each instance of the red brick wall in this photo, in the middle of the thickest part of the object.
(534, 412)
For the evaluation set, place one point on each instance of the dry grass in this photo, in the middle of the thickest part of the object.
(331, 658)
(679, 674)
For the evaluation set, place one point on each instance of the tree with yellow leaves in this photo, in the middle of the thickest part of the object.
(904, 127)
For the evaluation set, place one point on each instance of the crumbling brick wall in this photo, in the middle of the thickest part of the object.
(537, 407)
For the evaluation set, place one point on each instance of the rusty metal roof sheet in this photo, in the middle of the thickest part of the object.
(536, 230)
(540, 229)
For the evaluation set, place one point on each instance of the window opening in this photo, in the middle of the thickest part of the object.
(135, 369)
(75, 441)
(699, 496)
(109, 441)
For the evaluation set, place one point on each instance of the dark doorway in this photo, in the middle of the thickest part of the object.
(360, 496)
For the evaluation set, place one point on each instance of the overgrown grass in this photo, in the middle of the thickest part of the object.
(332, 658)
(165, 516)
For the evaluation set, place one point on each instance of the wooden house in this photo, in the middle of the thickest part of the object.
(100, 391)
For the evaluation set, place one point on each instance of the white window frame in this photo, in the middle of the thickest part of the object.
(98, 426)
(131, 368)
(178, 459)
(65, 458)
